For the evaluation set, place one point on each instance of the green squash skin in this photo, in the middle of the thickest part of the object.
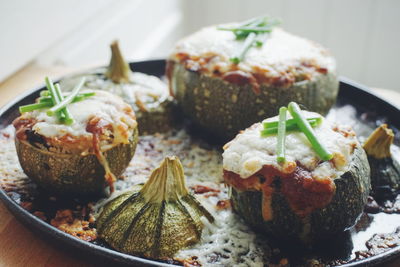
(75, 174)
(384, 172)
(153, 230)
(158, 119)
(223, 109)
(352, 190)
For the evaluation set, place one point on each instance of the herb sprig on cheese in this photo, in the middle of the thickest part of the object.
(253, 32)
(298, 123)
(54, 100)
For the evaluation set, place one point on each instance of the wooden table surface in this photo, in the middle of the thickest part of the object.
(18, 245)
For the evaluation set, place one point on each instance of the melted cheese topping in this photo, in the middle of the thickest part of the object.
(107, 107)
(226, 242)
(143, 88)
(249, 152)
(149, 90)
(280, 51)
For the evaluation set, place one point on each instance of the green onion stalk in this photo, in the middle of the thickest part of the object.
(54, 97)
(281, 135)
(271, 128)
(254, 33)
(308, 131)
(63, 104)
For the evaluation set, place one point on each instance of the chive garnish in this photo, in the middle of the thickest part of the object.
(79, 97)
(63, 104)
(54, 97)
(85, 95)
(247, 44)
(47, 102)
(44, 93)
(290, 127)
(45, 99)
(308, 131)
(281, 135)
(291, 122)
(247, 29)
(68, 117)
(32, 107)
(250, 31)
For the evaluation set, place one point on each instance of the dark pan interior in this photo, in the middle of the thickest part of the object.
(350, 93)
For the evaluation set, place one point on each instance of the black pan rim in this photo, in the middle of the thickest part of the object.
(53, 234)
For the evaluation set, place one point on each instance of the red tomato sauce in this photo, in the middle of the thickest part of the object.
(303, 193)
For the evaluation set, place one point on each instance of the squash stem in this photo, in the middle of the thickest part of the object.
(379, 142)
(166, 183)
(118, 70)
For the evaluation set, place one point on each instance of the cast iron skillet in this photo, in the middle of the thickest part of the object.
(350, 93)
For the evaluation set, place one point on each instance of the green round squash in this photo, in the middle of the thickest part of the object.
(63, 173)
(148, 95)
(352, 190)
(223, 86)
(223, 108)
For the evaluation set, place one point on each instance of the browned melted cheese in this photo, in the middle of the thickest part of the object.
(283, 60)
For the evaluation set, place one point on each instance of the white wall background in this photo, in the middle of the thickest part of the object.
(78, 33)
(364, 35)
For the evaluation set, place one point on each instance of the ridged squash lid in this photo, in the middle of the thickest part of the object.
(157, 221)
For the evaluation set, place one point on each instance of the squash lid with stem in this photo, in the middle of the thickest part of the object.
(157, 221)
(385, 170)
(378, 143)
(118, 71)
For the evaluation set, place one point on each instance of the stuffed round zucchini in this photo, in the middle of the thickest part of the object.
(147, 94)
(303, 198)
(223, 93)
(84, 155)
